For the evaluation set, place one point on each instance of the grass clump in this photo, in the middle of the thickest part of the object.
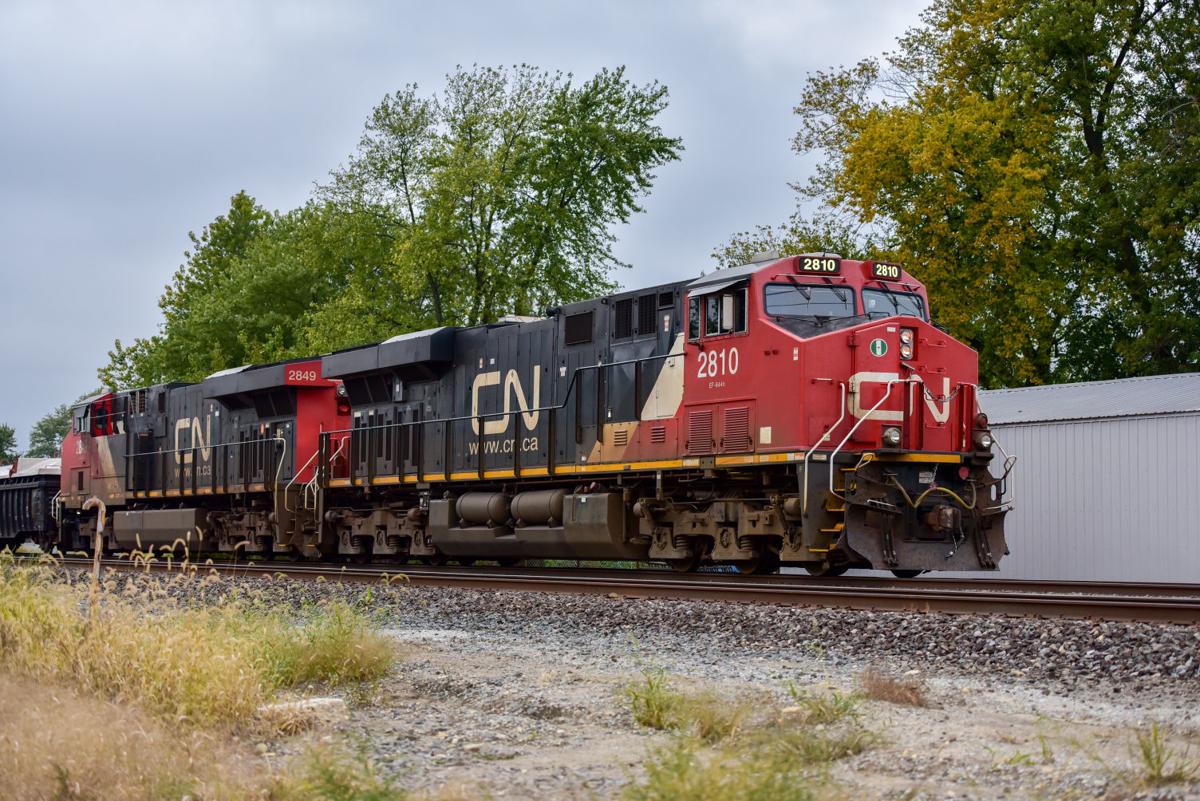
(880, 686)
(329, 774)
(207, 665)
(822, 709)
(652, 700)
(1158, 762)
(721, 752)
(657, 705)
(680, 771)
(334, 645)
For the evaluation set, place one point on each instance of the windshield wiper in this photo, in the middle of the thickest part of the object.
(817, 320)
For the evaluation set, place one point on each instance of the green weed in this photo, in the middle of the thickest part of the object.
(1159, 762)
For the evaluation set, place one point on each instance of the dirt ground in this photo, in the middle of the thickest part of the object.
(544, 718)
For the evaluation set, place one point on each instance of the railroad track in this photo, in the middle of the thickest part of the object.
(1177, 603)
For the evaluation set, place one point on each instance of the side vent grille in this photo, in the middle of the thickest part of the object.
(700, 432)
(621, 436)
(647, 314)
(737, 429)
(577, 328)
(658, 435)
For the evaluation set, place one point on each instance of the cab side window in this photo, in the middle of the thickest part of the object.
(720, 313)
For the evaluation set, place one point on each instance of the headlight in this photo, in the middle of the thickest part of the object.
(906, 336)
(983, 440)
(891, 437)
(906, 351)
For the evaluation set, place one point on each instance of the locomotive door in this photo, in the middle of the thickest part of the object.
(407, 438)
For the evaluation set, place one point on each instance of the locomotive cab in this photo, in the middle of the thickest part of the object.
(835, 363)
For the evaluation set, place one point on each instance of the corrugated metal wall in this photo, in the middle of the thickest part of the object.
(1105, 500)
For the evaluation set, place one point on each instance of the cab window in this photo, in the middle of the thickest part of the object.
(718, 313)
(879, 303)
(820, 301)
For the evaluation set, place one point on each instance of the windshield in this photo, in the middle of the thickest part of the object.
(878, 303)
(809, 300)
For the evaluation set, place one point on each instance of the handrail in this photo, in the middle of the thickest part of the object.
(861, 420)
(480, 417)
(824, 438)
(484, 415)
(1009, 463)
(296, 475)
(313, 484)
(146, 456)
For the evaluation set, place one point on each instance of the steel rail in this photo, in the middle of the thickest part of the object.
(1084, 600)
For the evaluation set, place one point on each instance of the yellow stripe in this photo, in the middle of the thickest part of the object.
(155, 493)
(339, 482)
(760, 458)
(535, 471)
(204, 491)
(256, 487)
(386, 480)
(919, 458)
(170, 493)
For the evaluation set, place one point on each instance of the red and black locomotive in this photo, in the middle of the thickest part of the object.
(798, 411)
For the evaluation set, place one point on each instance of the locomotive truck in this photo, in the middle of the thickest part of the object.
(795, 411)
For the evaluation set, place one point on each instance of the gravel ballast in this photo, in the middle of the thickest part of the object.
(518, 694)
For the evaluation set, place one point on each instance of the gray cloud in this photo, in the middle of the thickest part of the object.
(124, 125)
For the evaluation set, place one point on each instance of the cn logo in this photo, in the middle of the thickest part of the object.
(512, 390)
(939, 409)
(200, 438)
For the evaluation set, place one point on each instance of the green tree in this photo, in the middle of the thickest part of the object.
(45, 439)
(500, 194)
(819, 233)
(8, 444)
(1034, 162)
(187, 346)
(497, 195)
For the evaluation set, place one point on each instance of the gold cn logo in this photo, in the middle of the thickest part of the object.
(512, 390)
(939, 408)
(200, 438)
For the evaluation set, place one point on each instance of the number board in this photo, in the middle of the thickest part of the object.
(820, 265)
(303, 374)
(886, 271)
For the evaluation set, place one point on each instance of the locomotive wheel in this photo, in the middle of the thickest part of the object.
(907, 574)
(437, 560)
(767, 562)
(510, 561)
(825, 569)
(466, 561)
(688, 564)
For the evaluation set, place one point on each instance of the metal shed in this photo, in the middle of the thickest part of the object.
(1107, 481)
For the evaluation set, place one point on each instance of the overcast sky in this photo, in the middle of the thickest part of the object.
(125, 125)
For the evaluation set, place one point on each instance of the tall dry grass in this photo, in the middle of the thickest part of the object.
(56, 743)
(203, 664)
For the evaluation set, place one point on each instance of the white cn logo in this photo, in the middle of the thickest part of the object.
(200, 438)
(512, 390)
(939, 410)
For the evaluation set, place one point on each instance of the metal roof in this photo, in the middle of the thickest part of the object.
(728, 275)
(1123, 397)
